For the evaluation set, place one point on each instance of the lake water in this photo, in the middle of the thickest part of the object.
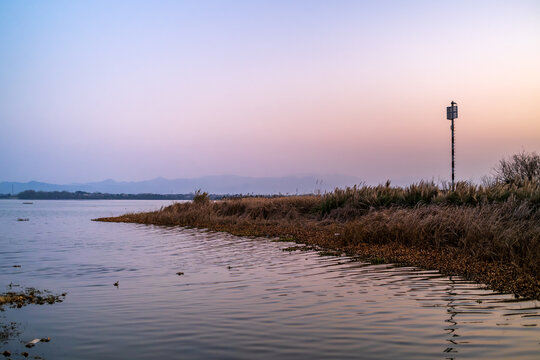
(239, 298)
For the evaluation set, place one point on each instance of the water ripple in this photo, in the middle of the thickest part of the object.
(238, 297)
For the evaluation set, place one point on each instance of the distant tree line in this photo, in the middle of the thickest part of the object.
(82, 195)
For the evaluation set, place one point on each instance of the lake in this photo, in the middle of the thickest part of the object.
(239, 298)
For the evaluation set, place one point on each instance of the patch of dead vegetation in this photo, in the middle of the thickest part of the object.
(28, 296)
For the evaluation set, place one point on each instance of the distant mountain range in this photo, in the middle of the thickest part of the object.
(224, 184)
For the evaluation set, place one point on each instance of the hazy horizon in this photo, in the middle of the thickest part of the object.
(135, 90)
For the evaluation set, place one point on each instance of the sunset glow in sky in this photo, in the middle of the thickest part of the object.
(134, 90)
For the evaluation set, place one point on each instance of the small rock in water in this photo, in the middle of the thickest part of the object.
(179, 273)
(229, 267)
(46, 339)
(16, 265)
(25, 354)
(116, 284)
(6, 353)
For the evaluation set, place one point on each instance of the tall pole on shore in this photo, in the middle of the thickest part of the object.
(451, 114)
(453, 155)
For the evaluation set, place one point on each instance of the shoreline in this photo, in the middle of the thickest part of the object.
(347, 237)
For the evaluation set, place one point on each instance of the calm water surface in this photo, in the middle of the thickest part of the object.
(239, 298)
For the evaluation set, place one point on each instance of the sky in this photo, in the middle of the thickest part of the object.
(133, 90)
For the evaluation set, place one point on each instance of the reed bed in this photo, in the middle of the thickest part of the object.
(425, 193)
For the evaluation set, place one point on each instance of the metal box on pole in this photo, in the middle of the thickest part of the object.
(451, 112)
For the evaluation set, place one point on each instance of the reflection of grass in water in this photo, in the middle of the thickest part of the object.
(286, 238)
(377, 261)
(321, 252)
(329, 253)
(293, 248)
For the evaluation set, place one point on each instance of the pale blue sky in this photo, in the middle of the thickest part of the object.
(133, 90)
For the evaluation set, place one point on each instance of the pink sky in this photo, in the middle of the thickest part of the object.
(137, 90)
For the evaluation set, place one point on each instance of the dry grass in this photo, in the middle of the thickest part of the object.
(359, 199)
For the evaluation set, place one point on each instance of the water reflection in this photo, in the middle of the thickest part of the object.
(453, 327)
(238, 297)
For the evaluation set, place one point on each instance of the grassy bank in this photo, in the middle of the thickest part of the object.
(487, 233)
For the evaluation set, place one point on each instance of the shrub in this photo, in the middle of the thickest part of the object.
(201, 198)
(518, 169)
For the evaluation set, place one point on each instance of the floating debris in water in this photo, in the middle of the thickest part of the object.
(27, 203)
(6, 353)
(116, 284)
(299, 247)
(17, 266)
(179, 273)
(23, 219)
(8, 330)
(32, 343)
(29, 296)
(25, 354)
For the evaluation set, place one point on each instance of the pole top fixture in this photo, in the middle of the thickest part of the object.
(452, 111)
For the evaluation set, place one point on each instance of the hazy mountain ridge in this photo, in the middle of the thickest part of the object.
(219, 184)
